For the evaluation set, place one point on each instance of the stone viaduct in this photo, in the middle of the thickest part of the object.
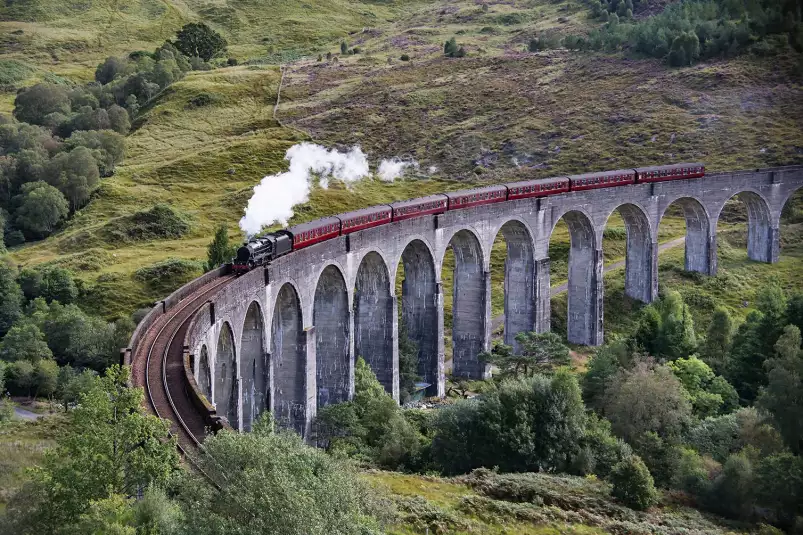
(285, 337)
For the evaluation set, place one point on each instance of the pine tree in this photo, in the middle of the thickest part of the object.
(718, 340)
(220, 250)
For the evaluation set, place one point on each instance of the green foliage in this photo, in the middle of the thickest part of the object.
(754, 343)
(220, 251)
(707, 393)
(666, 328)
(24, 342)
(111, 448)
(732, 492)
(75, 174)
(372, 427)
(452, 50)
(779, 485)
(273, 483)
(602, 370)
(199, 40)
(36, 102)
(166, 276)
(50, 283)
(20, 377)
(601, 451)
(526, 424)
(783, 396)
(160, 222)
(718, 340)
(648, 398)
(71, 385)
(157, 514)
(10, 297)
(633, 484)
(344, 47)
(40, 209)
(537, 353)
(110, 69)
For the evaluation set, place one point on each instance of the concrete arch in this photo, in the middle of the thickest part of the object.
(254, 368)
(226, 381)
(520, 307)
(375, 326)
(470, 332)
(465, 230)
(289, 355)
(641, 259)
(787, 201)
(422, 303)
(330, 316)
(584, 317)
(699, 239)
(204, 373)
(762, 240)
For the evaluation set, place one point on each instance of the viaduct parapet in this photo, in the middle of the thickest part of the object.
(285, 337)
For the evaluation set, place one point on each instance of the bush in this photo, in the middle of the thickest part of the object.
(404, 57)
(159, 223)
(35, 103)
(527, 424)
(196, 39)
(633, 484)
(40, 208)
(168, 275)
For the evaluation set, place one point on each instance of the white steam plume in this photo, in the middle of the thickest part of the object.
(390, 170)
(276, 195)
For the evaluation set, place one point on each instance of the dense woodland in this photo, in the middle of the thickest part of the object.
(660, 418)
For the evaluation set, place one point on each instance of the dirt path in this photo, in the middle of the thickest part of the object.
(26, 414)
(559, 289)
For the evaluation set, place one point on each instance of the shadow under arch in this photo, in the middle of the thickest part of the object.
(374, 317)
(204, 373)
(469, 307)
(254, 367)
(584, 286)
(641, 281)
(226, 387)
(331, 320)
(762, 244)
(419, 303)
(519, 282)
(289, 355)
(698, 255)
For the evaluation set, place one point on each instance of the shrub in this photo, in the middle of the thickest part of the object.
(160, 222)
(40, 100)
(633, 484)
(196, 39)
(168, 275)
(40, 208)
(404, 57)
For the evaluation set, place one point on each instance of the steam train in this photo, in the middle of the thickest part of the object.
(260, 251)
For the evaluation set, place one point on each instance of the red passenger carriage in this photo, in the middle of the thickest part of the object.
(605, 179)
(307, 234)
(434, 204)
(537, 188)
(661, 173)
(474, 197)
(365, 218)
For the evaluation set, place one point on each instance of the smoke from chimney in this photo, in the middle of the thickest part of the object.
(276, 195)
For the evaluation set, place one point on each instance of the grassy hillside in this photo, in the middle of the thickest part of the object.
(498, 114)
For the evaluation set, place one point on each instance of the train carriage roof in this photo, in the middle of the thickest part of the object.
(415, 202)
(365, 211)
(603, 173)
(673, 166)
(474, 191)
(536, 182)
(312, 225)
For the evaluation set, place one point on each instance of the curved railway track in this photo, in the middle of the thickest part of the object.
(158, 367)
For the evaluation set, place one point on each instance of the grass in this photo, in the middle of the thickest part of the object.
(560, 505)
(22, 445)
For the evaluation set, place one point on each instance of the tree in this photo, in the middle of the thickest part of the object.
(40, 100)
(783, 396)
(40, 209)
(754, 343)
(10, 297)
(220, 250)
(779, 485)
(119, 120)
(110, 69)
(112, 447)
(633, 484)
(107, 516)
(46, 373)
(676, 338)
(732, 492)
(196, 39)
(344, 47)
(538, 353)
(71, 385)
(107, 147)
(20, 377)
(271, 482)
(24, 341)
(75, 174)
(707, 393)
(408, 364)
(527, 424)
(452, 50)
(648, 398)
(718, 340)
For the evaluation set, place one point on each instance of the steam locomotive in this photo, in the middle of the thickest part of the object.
(260, 251)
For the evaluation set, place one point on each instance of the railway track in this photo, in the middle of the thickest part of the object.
(158, 367)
